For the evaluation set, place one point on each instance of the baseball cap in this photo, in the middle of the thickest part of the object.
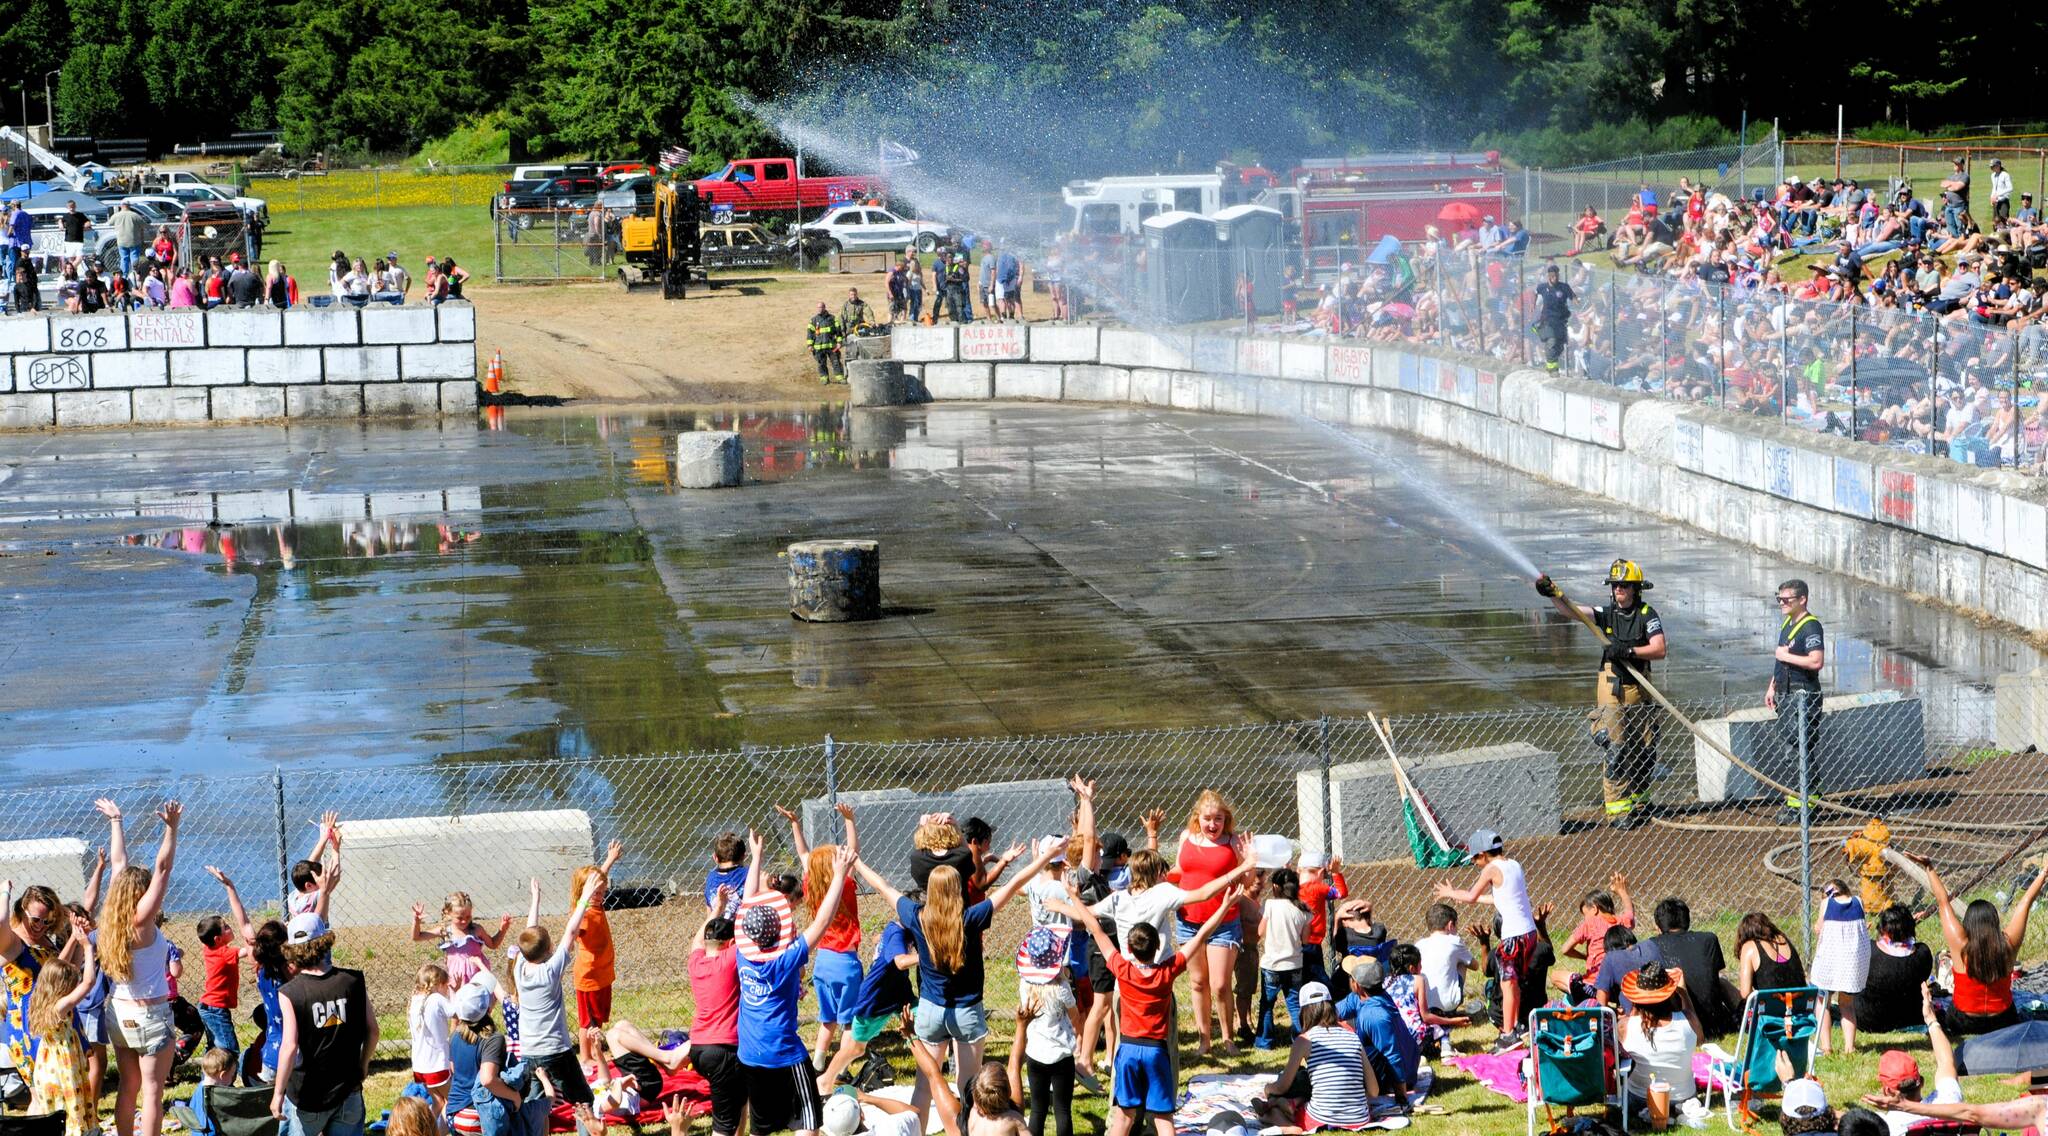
(1314, 992)
(305, 927)
(1482, 840)
(842, 1116)
(1054, 842)
(1804, 1098)
(391, 256)
(1364, 970)
(1229, 1123)
(1312, 860)
(1896, 1068)
(763, 925)
(1114, 845)
(473, 1001)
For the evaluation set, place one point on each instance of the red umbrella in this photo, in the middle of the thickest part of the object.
(1460, 213)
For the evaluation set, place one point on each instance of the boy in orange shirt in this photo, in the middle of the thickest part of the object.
(593, 971)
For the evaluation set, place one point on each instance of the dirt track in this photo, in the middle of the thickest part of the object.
(743, 340)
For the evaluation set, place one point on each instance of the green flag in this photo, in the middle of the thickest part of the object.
(1427, 850)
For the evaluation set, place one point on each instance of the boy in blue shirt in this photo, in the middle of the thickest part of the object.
(1389, 1044)
(782, 1087)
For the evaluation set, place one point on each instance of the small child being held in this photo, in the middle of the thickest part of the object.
(428, 1018)
(307, 894)
(728, 871)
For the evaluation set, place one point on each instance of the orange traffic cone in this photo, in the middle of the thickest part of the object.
(495, 373)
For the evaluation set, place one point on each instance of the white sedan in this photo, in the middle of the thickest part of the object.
(865, 228)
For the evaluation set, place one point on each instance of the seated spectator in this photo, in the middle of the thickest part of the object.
(1984, 951)
(182, 293)
(1697, 956)
(1660, 1033)
(1764, 958)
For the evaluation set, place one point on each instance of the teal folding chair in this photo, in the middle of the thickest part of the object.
(1775, 1023)
(1575, 1062)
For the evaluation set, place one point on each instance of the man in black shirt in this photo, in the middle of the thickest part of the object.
(330, 1033)
(92, 291)
(1794, 691)
(1553, 315)
(1696, 954)
(244, 287)
(74, 224)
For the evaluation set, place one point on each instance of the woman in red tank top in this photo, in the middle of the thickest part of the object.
(1984, 953)
(1209, 848)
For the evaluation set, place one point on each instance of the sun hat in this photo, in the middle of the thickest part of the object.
(1042, 954)
(1641, 993)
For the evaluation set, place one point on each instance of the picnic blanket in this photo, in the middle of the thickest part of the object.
(1210, 1093)
(1502, 1072)
(684, 1084)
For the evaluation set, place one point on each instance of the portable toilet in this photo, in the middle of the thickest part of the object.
(1181, 268)
(1250, 237)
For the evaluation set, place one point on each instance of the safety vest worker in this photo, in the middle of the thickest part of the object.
(1624, 722)
(821, 335)
(1794, 691)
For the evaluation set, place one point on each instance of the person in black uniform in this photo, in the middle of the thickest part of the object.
(822, 335)
(1553, 315)
(1794, 691)
(1624, 722)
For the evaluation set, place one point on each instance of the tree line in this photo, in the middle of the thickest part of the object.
(1090, 84)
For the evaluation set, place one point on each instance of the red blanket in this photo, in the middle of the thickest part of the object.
(681, 1084)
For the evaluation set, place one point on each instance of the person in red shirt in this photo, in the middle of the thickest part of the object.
(1210, 848)
(1601, 909)
(715, 1031)
(1143, 1080)
(221, 952)
(1322, 882)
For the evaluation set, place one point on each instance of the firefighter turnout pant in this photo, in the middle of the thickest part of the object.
(1799, 708)
(1552, 333)
(828, 362)
(1625, 723)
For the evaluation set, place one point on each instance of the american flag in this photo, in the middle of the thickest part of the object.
(778, 903)
(674, 156)
(1042, 953)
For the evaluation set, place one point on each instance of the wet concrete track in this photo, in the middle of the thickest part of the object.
(222, 600)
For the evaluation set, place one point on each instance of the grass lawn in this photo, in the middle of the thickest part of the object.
(306, 239)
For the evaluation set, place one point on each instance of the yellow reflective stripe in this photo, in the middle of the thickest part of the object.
(1809, 617)
(1626, 804)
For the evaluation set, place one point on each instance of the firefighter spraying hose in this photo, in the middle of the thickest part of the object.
(1625, 721)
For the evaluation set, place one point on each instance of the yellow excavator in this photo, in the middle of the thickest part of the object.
(662, 247)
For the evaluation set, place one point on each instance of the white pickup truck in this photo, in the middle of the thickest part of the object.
(188, 186)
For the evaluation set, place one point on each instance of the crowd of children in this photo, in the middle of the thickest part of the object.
(508, 1051)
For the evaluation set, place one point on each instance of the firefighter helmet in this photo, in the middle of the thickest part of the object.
(1627, 572)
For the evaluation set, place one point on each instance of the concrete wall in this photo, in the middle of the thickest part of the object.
(236, 365)
(489, 855)
(1511, 789)
(1973, 539)
(58, 863)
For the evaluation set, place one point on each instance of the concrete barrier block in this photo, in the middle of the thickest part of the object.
(1191, 391)
(360, 364)
(209, 367)
(172, 404)
(1150, 387)
(1326, 402)
(1302, 360)
(23, 335)
(1215, 354)
(94, 408)
(437, 361)
(244, 327)
(383, 323)
(1028, 380)
(458, 397)
(1876, 738)
(328, 400)
(322, 327)
(1019, 810)
(1259, 357)
(1088, 382)
(1980, 517)
(1234, 394)
(58, 864)
(1365, 407)
(1935, 513)
(949, 382)
(1126, 347)
(52, 372)
(1059, 343)
(401, 400)
(993, 343)
(919, 344)
(710, 459)
(1959, 574)
(455, 321)
(27, 411)
(489, 855)
(169, 330)
(1281, 398)
(2026, 533)
(88, 333)
(1349, 365)
(232, 404)
(2020, 710)
(131, 369)
(283, 365)
(1591, 419)
(1511, 788)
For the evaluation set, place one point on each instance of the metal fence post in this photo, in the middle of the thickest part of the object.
(498, 244)
(832, 782)
(1800, 700)
(1323, 750)
(284, 883)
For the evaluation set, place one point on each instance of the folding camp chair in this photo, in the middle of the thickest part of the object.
(235, 1111)
(1774, 1022)
(1575, 1062)
(41, 1124)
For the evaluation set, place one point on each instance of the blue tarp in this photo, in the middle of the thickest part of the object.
(28, 189)
(1385, 251)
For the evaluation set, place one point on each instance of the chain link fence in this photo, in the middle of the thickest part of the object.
(1954, 777)
(1548, 201)
(562, 243)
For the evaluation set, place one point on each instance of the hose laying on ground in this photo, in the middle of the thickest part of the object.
(1715, 744)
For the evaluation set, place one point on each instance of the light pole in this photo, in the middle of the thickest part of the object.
(50, 108)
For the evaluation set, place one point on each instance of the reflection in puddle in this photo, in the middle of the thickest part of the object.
(781, 443)
(284, 544)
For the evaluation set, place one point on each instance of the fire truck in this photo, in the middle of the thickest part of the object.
(1346, 205)
(1114, 208)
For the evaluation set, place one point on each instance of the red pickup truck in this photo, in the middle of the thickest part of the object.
(771, 185)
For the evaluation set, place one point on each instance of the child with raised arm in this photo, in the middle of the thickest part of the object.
(135, 955)
(307, 894)
(465, 945)
(546, 1042)
(595, 968)
(782, 1087)
(1143, 1079)
(715, 1030)
(1502, 883)
(61, 1082)
(835, 967)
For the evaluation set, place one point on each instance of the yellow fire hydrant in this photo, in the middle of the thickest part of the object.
(1865, 850)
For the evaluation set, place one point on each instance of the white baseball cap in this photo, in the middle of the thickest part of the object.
(1313, 992)
(1805, 1097)
(1313, 859)
(842, 1116)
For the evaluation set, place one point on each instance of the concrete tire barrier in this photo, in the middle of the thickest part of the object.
(710, 459)
(835, 581)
